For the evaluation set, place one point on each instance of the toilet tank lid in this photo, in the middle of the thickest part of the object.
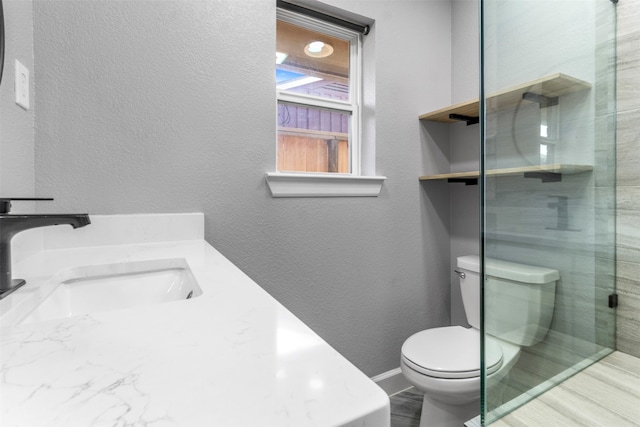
(509, 270)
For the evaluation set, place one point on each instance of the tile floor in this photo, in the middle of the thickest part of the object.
(605, 394)
(405, 408)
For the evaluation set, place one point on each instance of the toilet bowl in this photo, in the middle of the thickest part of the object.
(444, 362)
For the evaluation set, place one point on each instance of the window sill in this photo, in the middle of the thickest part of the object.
(323, 185)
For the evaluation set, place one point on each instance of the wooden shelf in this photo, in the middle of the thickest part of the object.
(551, 86)
(468, 108)
(556, 169)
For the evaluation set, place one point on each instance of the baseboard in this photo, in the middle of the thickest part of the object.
(392, 381)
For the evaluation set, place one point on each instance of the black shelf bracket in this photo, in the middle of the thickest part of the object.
(466, 181)
(613, 300)
(544, 176)
(544, 101)
(470, 120)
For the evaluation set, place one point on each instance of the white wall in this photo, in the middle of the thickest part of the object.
(169, 106)
(16, 124)
(464, 143)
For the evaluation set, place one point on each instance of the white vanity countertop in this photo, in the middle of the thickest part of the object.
(232, 356)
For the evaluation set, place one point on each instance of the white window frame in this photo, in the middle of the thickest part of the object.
(314, 184)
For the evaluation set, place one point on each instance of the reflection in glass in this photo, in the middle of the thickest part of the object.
(560, 213)
(311, 62)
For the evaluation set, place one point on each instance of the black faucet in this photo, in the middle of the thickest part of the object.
(10, 225)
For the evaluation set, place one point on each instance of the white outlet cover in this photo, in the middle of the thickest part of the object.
(22, 85)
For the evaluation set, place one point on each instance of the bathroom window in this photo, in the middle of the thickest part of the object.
(319, 78)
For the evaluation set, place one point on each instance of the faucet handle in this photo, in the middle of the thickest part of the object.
(5, 202)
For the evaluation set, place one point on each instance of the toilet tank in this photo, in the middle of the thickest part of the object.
(519, 298)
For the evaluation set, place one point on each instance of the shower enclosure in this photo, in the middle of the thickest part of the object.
(548, 178)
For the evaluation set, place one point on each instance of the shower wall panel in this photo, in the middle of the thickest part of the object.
(628, 178)
(563, 221)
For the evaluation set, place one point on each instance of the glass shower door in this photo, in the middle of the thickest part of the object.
(548, 181)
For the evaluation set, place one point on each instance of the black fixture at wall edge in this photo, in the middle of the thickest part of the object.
(544, 176)
(466, 181)
(470, 120)
(544, 101)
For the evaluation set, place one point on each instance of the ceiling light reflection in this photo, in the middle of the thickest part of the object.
(318, 49)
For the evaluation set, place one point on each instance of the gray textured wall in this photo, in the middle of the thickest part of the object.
(169, 106)
(628, 178)
(138, 110)
(16, 124)
(465, 143)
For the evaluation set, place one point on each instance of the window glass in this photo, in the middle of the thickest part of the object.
(311, 62)
(318, 113)
(312, 139)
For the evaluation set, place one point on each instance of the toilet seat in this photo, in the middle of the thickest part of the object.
(450, 352)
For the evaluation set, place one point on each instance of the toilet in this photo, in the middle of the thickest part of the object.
(444, 362)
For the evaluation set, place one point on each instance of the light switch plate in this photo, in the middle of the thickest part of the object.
(22, 85)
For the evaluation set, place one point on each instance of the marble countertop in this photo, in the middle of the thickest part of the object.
(233, 356)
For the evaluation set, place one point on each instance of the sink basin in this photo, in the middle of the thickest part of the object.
(99, 288)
